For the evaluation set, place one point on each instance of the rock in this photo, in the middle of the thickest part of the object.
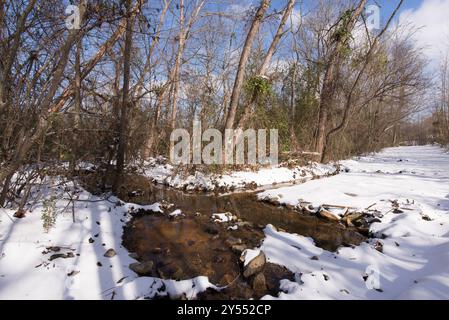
(226, 279)
(211, 229)
(314, 258)
(110, 253)
(61, 255)
(19, 214)
(255, 265)
(91, 240)
(259, 284)
(242, 224)
(177, 214)
(426, 217)
(178, 274)
(238, 248)
(134, 255)
(379, 246)
(142, 269)
(226, 217)
(231, 241)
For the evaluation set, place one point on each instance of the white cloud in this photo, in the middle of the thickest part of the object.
(432, 19)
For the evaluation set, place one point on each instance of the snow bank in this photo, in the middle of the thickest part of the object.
(161, 172)
(414, 262)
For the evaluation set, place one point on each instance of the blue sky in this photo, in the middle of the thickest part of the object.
(429, 17)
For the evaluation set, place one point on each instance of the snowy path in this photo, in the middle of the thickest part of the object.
(415, 259)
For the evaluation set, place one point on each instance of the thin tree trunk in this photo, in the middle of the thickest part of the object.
(238, 83)
(25, 144)
(263, 68)
(329, 85)
(348, 104)
(122, 144)
(183, 35)
(77, 100)
(293, 140)
(176, 78)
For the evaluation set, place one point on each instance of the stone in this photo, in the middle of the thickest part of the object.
(379, 246)
(110, 253)
(134, 255)
(19, 214)
(227, 279)
(242, 224)
(255, 265)
(142, 269)
(238, 248)
(231, 241)
(212, 229)
(259, 284)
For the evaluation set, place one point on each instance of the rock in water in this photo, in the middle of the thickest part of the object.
(231, 241)
(259, 284)
(110, 253)
(142, 269)
(238, 248)
(255, 266)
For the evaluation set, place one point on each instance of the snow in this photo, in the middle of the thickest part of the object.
(27, 273)
(414, 263)
(163, 173)
(223, 217)
(176, 213)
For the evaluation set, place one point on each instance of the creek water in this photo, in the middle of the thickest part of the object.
(192, 245)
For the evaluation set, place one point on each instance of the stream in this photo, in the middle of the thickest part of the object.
(192, 244)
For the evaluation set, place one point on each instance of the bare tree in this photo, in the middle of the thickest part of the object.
(235, 96)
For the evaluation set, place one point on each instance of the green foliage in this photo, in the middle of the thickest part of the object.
(343, 33)
(49, 213)
(259, 86)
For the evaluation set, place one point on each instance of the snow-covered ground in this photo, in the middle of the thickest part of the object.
(161, 172)
(414, 262)
(25, 250)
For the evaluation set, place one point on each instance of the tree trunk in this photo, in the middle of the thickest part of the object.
(329, 85)
(121, 151)
(238, 83)
(177, 67)
(293, 140)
